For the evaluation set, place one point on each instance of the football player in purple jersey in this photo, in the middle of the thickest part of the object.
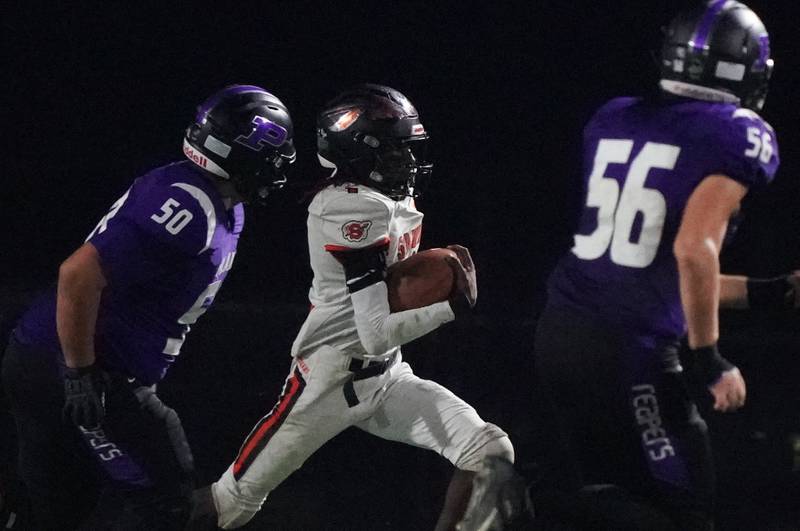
(663, 176)
(83, 362)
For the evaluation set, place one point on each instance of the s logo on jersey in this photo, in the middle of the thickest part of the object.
(356, 231)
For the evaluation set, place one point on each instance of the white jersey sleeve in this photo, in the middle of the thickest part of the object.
(355, 221)
(381, 330)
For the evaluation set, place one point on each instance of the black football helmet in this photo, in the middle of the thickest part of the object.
(243, 134)
(718, 51)
(372, 134)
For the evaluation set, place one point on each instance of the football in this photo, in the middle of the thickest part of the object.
(420, 280)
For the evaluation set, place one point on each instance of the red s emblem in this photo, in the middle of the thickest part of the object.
(356, 231)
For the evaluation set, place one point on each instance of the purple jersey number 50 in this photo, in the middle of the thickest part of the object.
(264, 131)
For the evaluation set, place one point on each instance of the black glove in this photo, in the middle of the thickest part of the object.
(85, 395)
(709, 364)
(770, 293)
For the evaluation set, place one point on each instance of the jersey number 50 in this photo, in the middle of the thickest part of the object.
(616, 212)
(177, 221)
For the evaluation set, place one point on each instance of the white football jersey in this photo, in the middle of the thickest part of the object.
(344, 217)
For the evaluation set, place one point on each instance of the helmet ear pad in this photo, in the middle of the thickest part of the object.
(193, 133)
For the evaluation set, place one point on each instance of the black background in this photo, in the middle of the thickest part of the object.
(94, 95)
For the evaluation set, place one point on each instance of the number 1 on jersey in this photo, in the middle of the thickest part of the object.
(617, 212)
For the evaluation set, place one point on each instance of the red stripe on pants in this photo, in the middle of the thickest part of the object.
(276, 416)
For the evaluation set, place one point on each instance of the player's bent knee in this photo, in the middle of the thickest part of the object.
(502, 448)
(490, 441)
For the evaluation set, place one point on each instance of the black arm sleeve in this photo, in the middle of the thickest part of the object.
(363, 267)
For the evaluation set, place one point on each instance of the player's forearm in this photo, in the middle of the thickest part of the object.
(80, 285)
(380, 330)
(733, 292)
(698, 267)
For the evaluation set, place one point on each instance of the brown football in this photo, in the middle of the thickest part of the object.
(420, 280)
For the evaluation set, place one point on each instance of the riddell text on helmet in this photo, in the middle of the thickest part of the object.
(195, 157)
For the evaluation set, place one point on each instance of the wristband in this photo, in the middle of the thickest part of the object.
(710, 364)
(767, 293)
(75, 373)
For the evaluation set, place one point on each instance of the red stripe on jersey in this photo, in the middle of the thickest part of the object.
(268, 425)
(380, 243)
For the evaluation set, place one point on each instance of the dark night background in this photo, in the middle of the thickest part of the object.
(96, 95)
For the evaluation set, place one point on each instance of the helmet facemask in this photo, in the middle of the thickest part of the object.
(399, 166)
(256, 185)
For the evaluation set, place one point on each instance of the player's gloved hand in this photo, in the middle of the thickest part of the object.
(722, 378)
(84, 393)
(777, 293)
(465, 293)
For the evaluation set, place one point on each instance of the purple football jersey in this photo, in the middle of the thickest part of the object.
(642, 161)
(165, 246)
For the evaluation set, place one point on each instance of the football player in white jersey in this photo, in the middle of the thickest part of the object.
(347, 369)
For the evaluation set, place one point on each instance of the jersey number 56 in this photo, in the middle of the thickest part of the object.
(616, 212)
